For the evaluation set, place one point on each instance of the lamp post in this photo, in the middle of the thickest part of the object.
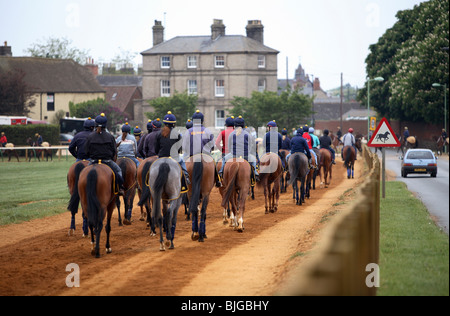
(437, 85)
(368, 102)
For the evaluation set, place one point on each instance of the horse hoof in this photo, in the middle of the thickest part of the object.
(71, 232)
(172, 247)
(167, 243)
(225, 221)
(161, 247)
(266, 212)
(108, 250)
(195, 236)
(126, 222)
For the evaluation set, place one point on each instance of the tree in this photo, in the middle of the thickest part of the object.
(14, 96)
(58, 48)
(410, 58)
(181, 105)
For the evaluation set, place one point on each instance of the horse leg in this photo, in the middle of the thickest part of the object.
(85, 226)
(118, 211)
(353, 171)
(202, 230)
(97, 231)
(266, 198)
(302, 191)
(108, 230)
(173, 226)
(240, 227)
(195, 235)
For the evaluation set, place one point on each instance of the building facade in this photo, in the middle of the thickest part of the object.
(216, 68)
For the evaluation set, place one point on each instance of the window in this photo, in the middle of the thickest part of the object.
(165, 62)
(50, 101)
(219, 61)
(220, 119)
(192, 87)
(192, 61)
(261, 85)
(165, 88)
(220, 88)
(114, 96)
(261, 61)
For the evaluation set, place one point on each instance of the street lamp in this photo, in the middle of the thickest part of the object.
(368, 101)
(437, 85)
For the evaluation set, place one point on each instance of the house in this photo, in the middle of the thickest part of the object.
(215, 67)
(53, 82)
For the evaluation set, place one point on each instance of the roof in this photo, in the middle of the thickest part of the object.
(120, 96)
(117, 80)
(205, 45)
(52, 75)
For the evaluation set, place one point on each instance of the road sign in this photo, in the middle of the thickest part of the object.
(373, 123)
(384, 136)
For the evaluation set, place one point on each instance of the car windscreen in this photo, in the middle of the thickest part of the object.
(420, 155)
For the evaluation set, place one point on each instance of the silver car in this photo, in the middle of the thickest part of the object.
(421, 161)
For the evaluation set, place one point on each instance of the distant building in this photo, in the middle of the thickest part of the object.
(215, 67)
(53, 82)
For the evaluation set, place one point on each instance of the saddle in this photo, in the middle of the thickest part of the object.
(116, 186)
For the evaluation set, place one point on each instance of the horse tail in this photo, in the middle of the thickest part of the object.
(230, 186)
(75, 198)
(295, 170)
(160, 182)
(197, 175)
(145, 195)
(92, 200)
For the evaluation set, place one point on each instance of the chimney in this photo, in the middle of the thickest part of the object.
(158, 33)
(5, 50)
(217, 29)
(255, 30)
(93, 68)
(316, 84)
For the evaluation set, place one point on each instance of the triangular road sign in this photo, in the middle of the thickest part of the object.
(384, 136)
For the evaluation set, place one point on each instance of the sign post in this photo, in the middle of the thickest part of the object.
(383, 137)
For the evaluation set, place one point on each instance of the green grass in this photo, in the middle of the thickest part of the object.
(31, 190)
(414, 252)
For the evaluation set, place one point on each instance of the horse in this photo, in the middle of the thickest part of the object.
(441, 143)
(383, 137)
(283, 155)
(349, 155)
(144, 193)
(37, 152)
(128, 167)
(316, 171)
(271, 172)
(325, 165)
(201, 169)
(9, 149)
(236, 181)
(72, 182)
(298, 170)
(335, 142)
(165, 185)
(98, 198)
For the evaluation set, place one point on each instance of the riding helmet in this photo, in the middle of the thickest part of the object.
(157, 123)
(189, 124)
(229, 122)
(350, 130)
(198, 116)
(137, 131)
(101, 120)
(272, 124)
(169, 118)
(126, 128)
(239, 122)
(88, 123)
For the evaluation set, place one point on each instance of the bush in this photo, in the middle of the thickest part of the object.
(18, 134)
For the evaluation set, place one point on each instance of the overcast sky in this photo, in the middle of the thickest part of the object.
(328, 37)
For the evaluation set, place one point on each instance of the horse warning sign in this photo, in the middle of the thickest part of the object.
(384, 136)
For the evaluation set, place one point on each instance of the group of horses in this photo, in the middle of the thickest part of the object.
(158, 184)
(37, 151)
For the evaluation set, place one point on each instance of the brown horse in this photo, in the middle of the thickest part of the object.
(349, 154)
(325, 165)
(145, 198)
(236, 180)
(128, 167)
(72, 183)
(271, 171)
(441, 143)
(37, 152)
(97, 196)
(201, 169)
(9, 149)
(283, 155)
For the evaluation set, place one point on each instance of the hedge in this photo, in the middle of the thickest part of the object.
(18, 134)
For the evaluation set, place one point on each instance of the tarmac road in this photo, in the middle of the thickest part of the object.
(433, 192)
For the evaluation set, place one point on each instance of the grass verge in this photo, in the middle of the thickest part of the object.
(414, 252)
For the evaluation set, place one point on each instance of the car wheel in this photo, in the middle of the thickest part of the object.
(433, 175)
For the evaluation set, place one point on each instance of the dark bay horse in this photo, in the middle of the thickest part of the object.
(201, 169)
(72, 182)
(298, 170)
(165, 185)
(325, 165)
(128, 167)
(440, 143)
(236, 181)
(271, 171)
(349, 153)
(145, 197)
(98, 200)
(9, 149)
(38, 151)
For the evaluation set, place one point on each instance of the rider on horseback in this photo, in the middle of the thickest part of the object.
(241, 144)
(325, 142)
(309, 140)
(127, 145)
(77, 145)
(299, 145)
(101, 145)
(165, 140)
(349, 140)
(273, 140)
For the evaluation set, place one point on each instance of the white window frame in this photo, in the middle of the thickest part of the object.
(192, 61)
(219, 88)
(261, 61)
(219, 61)
(219, 119)
(261, 88)
(165, 62)
(165, 88)
(192, 87)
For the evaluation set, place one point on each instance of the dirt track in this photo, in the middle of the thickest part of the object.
(34, 255)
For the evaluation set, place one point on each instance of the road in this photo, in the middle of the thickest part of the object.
(433, 192)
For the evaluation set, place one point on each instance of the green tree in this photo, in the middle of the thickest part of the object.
(15, 98)
(181, 105)
(57, 48)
